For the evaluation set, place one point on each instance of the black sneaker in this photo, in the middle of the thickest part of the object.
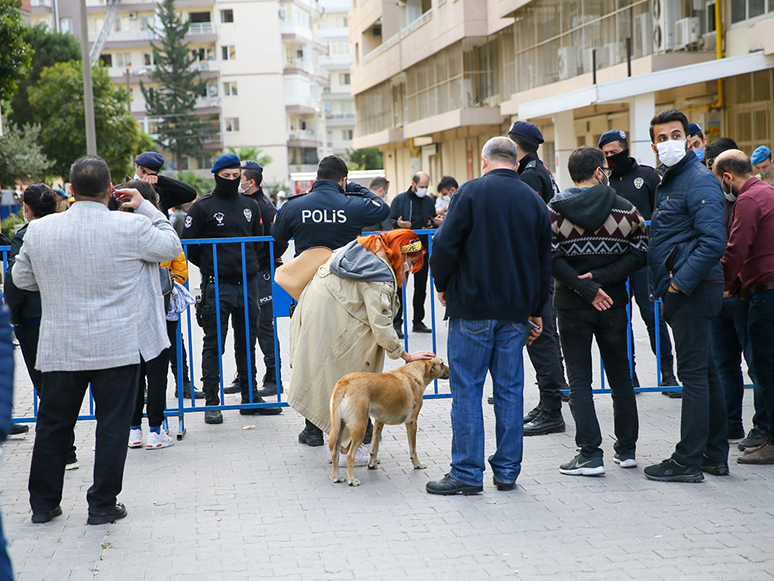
(714, 467)
(448, 486)
(582, 466)
(234, 387)
(668, 379)
(548, 422)
(673, 393)
(735, 433)
(311, 437)
(755, 438)
(420, 327)
(267, 411)
(671, 471)
(534, 412)
(490, 400)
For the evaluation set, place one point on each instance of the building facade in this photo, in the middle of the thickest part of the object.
(434, 79)
(259, 60)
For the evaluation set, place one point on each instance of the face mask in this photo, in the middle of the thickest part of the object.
(447, 198)
(730, 193)
(605, 180)
(766, 175)
(421, 192)
(671, 152)
(618, 159)
(699, 153)
(242, 190)
(136, 176)
(230, 187)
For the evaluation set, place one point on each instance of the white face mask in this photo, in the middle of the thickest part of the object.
(447, 198)
(671, 152)
(242, 190)
(421, 192)
(730, 193)
(136, 176)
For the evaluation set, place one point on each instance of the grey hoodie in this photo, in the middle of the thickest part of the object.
(355, 262)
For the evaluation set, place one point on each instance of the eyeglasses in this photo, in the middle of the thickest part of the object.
(608, 170)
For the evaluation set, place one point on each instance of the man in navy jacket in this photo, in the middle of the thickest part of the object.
(687, 242)
(492, 266)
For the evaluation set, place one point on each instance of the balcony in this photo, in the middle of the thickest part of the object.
(200, 28)
(339, 119)
(302, 138)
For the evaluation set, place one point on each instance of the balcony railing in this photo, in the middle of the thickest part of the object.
(340, 116)
(395, 38)
(199, 28)
(302, 135)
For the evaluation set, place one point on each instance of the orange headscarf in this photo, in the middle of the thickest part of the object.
(391, 243)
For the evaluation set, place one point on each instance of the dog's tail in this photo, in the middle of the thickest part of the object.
(336, 424)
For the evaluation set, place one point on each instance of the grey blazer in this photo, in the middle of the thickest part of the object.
(98, 276)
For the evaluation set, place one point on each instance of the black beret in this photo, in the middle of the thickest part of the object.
(254, 165)
(610, 137)
(528, 130)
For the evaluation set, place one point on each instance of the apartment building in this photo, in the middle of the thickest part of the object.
(259, 61)
(337, 96)
(434, 79)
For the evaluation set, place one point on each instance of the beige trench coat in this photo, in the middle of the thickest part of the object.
(340, 326)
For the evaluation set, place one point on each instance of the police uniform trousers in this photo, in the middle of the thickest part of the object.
(231, 303)
(545, 354)
(266, 324)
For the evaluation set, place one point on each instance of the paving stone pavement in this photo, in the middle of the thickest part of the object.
(243, 500)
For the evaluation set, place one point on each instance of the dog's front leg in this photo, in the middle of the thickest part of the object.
(376, 438)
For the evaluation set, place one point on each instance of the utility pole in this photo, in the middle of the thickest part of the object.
(88, 94)
(129, 90)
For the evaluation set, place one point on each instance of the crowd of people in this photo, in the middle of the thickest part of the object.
(694, 232)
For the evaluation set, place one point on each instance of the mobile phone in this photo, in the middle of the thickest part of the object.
(532, 325)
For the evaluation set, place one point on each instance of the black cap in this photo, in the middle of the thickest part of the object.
(528, 130)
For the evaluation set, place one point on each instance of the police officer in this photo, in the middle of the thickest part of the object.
(637, 183)
(332, 214)
(250, 185)
(171, 192)
(225, 213)
(545, 352)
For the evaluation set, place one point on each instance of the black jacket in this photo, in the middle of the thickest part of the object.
(492, 253)
(533, 173)
(327, 216)
(268, 212)
(636, 183)
(171, 193)
(221, 215)
(409, 206)
(597, 231)
(22, 304)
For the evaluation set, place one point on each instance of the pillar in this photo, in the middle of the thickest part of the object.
(564, 145)
(642, 108)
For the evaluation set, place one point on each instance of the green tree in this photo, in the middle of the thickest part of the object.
(201, 184)
(15, 54)
(179, 85)
(370, 158)
(21, 157)
(49, 48)
(251, 153)
(58, 98)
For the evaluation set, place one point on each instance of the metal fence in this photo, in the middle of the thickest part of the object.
(281, 308)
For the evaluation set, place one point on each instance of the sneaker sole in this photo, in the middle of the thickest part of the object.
(629, 463)
(682, 478)
(715, 471)
(159, 446)
(598, 471)
(135, 444)
(464, 491)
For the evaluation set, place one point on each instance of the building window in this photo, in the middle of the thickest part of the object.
(145, 23)
(124, 59)
(148, 59)
(228, 53)
(106, 60)
(202, 55)
(227, 16)
(346, 134)
(232, 124)
(199, 17)
(230, 89)
(204, 160)
(343, 78)
(66, 25)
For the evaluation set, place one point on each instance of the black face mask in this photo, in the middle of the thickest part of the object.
(228, 187)
(619, 160)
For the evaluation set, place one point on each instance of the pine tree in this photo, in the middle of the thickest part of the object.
(181, 131)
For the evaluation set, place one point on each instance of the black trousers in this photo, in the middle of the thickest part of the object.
(420, 292)
(172, 334)
(156, 371)
(545, 354)
(609, 328)
(231, 306)
(703, 422)
(266, 322)
(114, 393)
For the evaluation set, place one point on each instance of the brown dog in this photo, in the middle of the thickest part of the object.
(394, 397)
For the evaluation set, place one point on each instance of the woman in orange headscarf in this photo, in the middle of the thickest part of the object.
(343, 321)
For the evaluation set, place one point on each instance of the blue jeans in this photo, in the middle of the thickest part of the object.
(730, 341)
(760, 319)
(476, 347)
(638, 289)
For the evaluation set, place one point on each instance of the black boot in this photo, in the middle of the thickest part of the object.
(547, 422)
(534, 413)
(668, 378)
(269, 384)
(234, 387)
(311, 435)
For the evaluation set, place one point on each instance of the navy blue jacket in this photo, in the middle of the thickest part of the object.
(22, 304)
(6, 373)
(411, 207)
(687, 230)
(492, 253)
(327, 216)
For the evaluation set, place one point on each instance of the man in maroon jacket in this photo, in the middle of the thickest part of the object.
(749, 261)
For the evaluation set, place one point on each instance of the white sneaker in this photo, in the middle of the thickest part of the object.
(361, 456)
(160, 440)
(135, 438)
(625, 461)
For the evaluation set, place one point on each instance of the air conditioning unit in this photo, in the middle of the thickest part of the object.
(588, 60)
(132, 16)
(665, 14)
(568, 62)
(643, 35)
(611, 54)
(686, 32)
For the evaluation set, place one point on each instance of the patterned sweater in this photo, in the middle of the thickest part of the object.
(595, 231)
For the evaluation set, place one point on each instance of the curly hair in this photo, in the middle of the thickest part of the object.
(391, 243)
